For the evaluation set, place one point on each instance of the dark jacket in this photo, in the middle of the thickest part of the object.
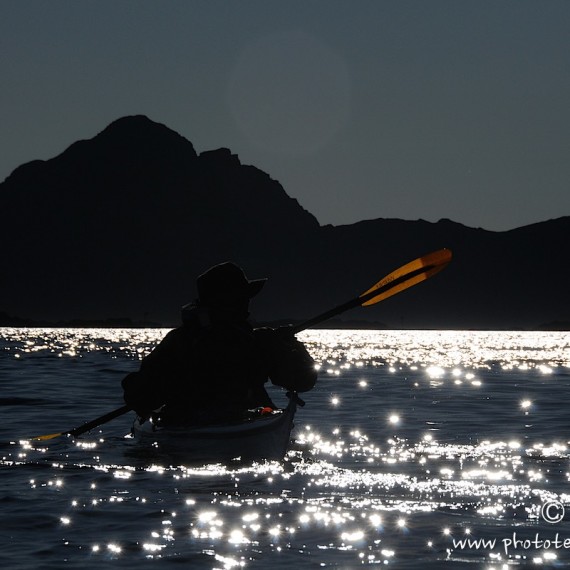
(208, 371)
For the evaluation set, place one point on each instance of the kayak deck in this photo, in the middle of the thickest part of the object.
(264, 437)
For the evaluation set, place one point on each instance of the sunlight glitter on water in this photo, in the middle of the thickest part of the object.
(412, 441)
(341, 348)
(441, 350)
(75, 343)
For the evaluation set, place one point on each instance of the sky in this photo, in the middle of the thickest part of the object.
(361, 109)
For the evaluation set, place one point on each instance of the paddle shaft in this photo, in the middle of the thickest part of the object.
(99, 421)
(353, 303)
(86, 426)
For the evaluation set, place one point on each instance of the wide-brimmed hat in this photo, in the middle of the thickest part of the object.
(226, 284)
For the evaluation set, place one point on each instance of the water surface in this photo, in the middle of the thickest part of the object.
(417, 449)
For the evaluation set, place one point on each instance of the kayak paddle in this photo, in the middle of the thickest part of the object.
(399, 280)
(86, 426)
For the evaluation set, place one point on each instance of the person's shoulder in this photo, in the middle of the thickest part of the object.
(183, 333)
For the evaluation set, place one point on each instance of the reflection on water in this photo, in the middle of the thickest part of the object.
(417, 449)
(441, 350)
(69, 342)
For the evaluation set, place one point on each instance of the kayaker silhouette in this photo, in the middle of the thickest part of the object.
(214, 366)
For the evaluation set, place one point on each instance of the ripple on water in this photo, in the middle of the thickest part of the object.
(411, 444)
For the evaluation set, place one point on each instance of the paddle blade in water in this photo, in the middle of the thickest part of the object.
(87, 426)
(48, 436)
(406, 276)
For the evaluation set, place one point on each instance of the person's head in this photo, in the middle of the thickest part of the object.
(226, 290)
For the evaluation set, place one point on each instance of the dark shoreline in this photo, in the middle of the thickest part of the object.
(7, 321)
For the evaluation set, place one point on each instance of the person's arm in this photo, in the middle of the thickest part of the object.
(289, 362)
(146, 389)
(139, 393)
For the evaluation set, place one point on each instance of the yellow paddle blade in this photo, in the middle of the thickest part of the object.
(48, 436)
(406, 276)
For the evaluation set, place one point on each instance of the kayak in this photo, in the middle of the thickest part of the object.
(265, 436)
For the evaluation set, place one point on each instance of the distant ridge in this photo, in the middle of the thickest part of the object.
(121, 224)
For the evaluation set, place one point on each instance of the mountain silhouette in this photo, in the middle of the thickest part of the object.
(121, 224)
